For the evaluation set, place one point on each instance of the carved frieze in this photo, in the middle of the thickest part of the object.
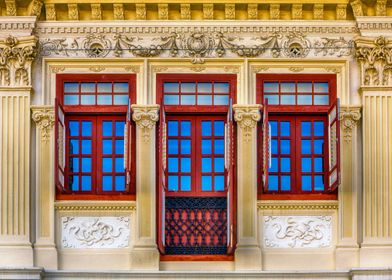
(208, 11)
(185, 11)
(247, 117)
(73, 12)
(50, 11)
(349, 117)
(297, 231)
(95, 232)
(318, 11)
(118, 11)
(253, 11)
(334, 46)
(145, 117)
(43, 116)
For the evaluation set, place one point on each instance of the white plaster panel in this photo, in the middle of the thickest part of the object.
(95, 232)
(297, 231)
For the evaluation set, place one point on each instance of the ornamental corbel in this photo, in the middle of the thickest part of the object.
(349, 117)
(43, 116)
(247, 117)
(145, 117)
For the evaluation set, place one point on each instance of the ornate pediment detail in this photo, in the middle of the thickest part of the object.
(375, 58)
(43, 116)
(145, 117)
(349, 117)
(16, 57)
(247, 117)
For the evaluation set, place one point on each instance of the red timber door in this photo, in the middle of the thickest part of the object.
(197, 187)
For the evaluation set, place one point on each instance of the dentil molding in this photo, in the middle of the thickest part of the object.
(349, 117)
(145, 117)
(247, 117)
(43, 116)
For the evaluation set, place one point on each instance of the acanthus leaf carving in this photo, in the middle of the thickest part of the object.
(43, 116)
(349, 117)
(339, 47)
(145, 117)
(247, 117)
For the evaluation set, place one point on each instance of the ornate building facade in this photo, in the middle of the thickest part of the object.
(153, 139)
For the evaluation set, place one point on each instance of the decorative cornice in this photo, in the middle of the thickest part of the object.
(145, 117)
(43, 116)
(247, 117)
(297, 205)
(349, 117)
(95, 207)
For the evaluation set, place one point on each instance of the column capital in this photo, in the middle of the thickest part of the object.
(43, 116)
(145, 117)
(247, 117)
(349, 117)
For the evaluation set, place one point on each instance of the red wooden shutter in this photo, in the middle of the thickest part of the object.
(162, 179)
(60, 147)
(266, 146)
(334, 146)
(128, 146)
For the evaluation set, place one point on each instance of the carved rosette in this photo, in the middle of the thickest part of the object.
(247, 117)
(43, 116)
(145, 117)
(349, 117)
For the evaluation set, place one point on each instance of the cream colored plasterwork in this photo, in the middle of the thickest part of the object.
(349, 117)
(247, 117)
(145, 117)
(44, 118)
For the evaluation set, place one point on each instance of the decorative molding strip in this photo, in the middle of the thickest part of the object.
(297, 205)
(339, 47)
(95, 207)
(43, 116)
(349, 117)
(145, 117)
(247, 117)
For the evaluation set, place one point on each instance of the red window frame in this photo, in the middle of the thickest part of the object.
(95, 113)
(296, 113)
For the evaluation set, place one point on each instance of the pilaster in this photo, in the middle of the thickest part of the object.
(248, 254)
(145, 254)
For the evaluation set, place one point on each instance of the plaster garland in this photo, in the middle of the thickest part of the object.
(349, 117)
(145, 117)
(43, 116)
(247, 117)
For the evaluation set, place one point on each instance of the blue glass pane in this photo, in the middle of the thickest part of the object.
(87, 87)
(274, 146)
(285, 183)
(185, 128)
(171, 100)
(86, 164)
(170, 87)
(219, 146)
(287, 87)
(172, 128)
(104, 87)
(87, 99)
(86, 128)
(206, 164)
(306, 147)
(206, 183)
(221, 100)
(119, 165)
(219, 183)
(319, 147)
(185, 165)
(185, 183)
(119, 147)
(306, 165)
(272, 183)
(172, 165)
(306, 129)
(188, 87)
(206, 147)
(285, 147)
(104, 99)
(272, 99)
(86, 147)
(107, 183)
(204, 87)
(318, 183)
(71, 99)
(219, 128)
(219, 164)
(107, 146)
(107, 128)
(186, 147)
(274, 128)
(120, 99)
(119, 129)
(74, 146)
(71, 87)
(119, 183)
(121, 87)
(74, 183)
(284, 128)
(321, 87)
(172, 146)
(274, 165)
(86, 183)
(106, 165)
(321, 99)
(271, 87)
(304, 87)
(318, 165)
(287, 100)
(204, 99)
(318, 128)
(173, 183)
(304, 100)
(221, 87)
(74, 164)
(285, 165)
(206, 128)
(188, 100)
(306, 183)
(73, 128)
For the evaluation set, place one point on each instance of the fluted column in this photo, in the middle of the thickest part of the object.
(145, 254)
(248, 254)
